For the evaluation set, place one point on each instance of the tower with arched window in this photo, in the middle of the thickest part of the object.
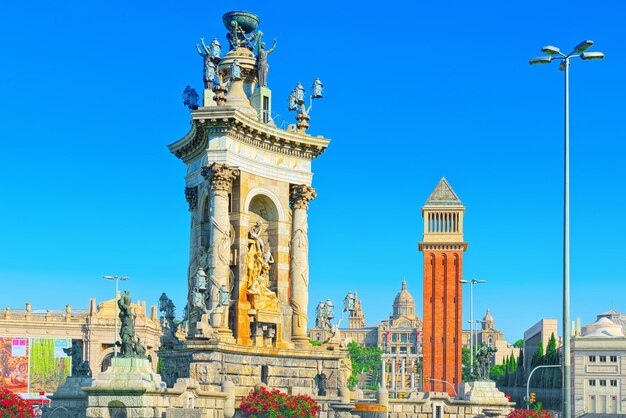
(443, 248)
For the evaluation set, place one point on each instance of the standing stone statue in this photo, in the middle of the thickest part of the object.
(129, 344)
(79, 367)
(209, 66)
(322, 384)
(484, 356)
(258, 263)
(261, 59)
(170, 327)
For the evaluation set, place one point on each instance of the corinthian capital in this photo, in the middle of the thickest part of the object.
(220, 176)
(300, 195)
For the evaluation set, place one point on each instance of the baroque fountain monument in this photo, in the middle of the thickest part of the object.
(248, 186)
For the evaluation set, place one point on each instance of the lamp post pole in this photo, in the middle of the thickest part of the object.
(552, 54)
(472, 283)
(116, 279)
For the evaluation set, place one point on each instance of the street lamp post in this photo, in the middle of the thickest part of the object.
(472, 283)
(554, 53)
(116, 279)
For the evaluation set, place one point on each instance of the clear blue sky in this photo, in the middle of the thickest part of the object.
(90, 95)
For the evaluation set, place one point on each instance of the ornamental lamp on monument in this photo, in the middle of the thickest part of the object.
(215, 50)
(297, 102)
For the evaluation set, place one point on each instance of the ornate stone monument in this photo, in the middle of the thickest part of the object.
(248, 185)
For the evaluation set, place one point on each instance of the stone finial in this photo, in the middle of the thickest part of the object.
(7, 313)
(300, 195)
(29, 308)
(220, 176)
(68, 310)
(191, 194)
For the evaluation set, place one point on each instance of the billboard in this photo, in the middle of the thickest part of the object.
(33, 365)
(14, 364)
(49, 365)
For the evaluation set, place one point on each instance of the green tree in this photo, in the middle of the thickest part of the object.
(364, 360)
(519, 343)
(537, 360)
(497, 373)
(465, 360)
(551, 356)
(519, 374)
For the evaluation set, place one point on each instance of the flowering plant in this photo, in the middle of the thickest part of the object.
(527, 413)
(13, 406)
(262, 403)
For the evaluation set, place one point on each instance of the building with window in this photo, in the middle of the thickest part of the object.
(399, 334)
(93, 328)
(540, 332)
(489, 335)
(598, 367)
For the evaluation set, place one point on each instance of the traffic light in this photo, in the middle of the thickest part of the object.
(426, 379)
(415, 368)
(532, 398)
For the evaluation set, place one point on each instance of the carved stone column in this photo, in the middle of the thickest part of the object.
(220, 177)
(299, 198)
(383, 373)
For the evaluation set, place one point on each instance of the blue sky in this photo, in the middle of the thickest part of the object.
(91, 95)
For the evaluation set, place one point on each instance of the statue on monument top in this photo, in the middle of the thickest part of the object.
(261, 59)
(483, 361)
(129, 344)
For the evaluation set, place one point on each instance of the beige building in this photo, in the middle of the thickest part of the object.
(489, 335)
(94, 327)
(599, 366)
(540, 332)
(399, 334)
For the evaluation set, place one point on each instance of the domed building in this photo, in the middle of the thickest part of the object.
(598, 366)
(403, 304)
(399, 334)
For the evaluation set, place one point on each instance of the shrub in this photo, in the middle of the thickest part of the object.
(262, 403)
(527, 413)
(13, 406)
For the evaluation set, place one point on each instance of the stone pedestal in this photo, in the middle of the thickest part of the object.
(126, 388)
(482, 392)
(486, 396)
(69, 400)
(289, 370)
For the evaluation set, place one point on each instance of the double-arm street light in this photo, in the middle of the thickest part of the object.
(117, 279)
(553, 53)
(472, 283)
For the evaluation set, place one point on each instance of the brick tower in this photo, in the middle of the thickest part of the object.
(443, 249)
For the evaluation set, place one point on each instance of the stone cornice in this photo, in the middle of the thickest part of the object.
(442, 246)
(231, 122)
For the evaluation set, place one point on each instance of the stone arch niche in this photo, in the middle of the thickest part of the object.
(117, 409)
(262, 208)
(263, 307)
